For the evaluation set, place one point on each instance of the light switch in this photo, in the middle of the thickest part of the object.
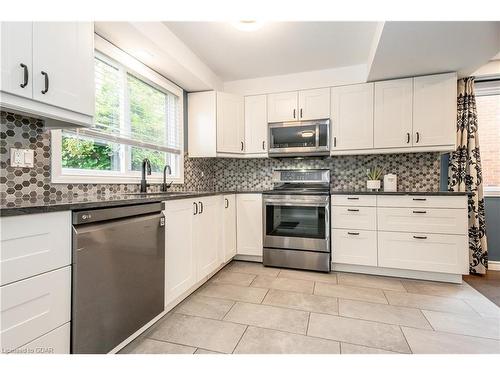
(22, 158)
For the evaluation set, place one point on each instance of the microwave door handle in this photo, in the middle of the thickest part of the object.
(297, 204)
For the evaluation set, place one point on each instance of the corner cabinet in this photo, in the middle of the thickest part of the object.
(249, 225)
(48, 71)
(216, 124)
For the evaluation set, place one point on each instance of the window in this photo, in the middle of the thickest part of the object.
(138, 114)
(488, 112)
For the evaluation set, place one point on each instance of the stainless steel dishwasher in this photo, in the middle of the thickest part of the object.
(118, 274)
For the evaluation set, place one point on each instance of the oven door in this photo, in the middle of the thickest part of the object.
(299, 222)
(299, 138)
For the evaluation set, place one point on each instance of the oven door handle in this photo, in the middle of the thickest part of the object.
(296, 204)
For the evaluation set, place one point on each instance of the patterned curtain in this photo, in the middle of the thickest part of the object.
(465, 173)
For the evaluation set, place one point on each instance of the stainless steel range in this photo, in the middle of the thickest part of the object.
(297, 220)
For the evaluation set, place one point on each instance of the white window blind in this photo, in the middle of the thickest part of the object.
(132, 111)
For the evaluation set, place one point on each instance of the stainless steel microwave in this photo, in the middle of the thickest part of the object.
(299, 138)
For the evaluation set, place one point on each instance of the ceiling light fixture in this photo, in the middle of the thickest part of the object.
(247, 25)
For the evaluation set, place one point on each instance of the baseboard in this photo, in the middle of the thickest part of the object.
(494, 265)
(249, 258)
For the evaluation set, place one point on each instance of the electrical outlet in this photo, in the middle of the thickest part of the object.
(22, 158)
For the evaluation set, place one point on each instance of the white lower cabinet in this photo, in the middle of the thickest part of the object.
(207, 230)
(32, 307)
(423, 252)
(180, 265)
(354, 247)
(354, 217)
(229, 227)
(54, 342)
(249, 224)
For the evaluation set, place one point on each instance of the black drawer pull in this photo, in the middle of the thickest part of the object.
(419, 212)
(420, 237)
(353, 210)
(195, 206)
(46, 76)
(353, 233)
(226, 203)
(201, 207)
(353, 198)
(420, 199)
(25, 73)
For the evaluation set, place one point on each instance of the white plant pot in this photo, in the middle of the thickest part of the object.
(373, 184)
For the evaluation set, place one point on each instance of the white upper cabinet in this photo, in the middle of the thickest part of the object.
(16, 58)
(230, 123)
(393, 113)
(47, 70)
(63, 65)
(352, 117)
(435, 110)
(256, 125)
(314, 104)
(282, 107)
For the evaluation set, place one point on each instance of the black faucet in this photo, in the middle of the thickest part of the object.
(145, 164)
(165, 186)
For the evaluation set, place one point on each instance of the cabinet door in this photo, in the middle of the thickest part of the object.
(282, 107)
(434, 110)
(256, 124)
(352, 117)
(230, 123)
(180, 262)
(202, 124)
(229, 227)
(207, 232)
(249, 224)
(63, 65)
(393, 113)
(16, 58)
(314, 104)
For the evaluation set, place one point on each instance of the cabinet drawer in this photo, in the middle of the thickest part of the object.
(422, 201)
(423, 252)
(30, 308)
(33, 244)
(54, 342)
(354, 217)
(354, 247)
(432, 220)
(354, 200)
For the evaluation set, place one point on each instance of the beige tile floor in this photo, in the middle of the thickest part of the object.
(249, 308)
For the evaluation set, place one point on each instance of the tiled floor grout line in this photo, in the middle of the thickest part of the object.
(425, 317)
(406, 340)
(265, 296)
(367, 346)
(308, 320)
(227, 312)
(245, 331)
(173, 343)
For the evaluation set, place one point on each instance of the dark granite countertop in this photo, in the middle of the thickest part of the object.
(366, 192)
(42, 204)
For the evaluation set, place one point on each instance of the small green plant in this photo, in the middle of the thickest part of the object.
(374, 173)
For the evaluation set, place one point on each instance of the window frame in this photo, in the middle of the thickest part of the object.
(488, 191)
(128, 65)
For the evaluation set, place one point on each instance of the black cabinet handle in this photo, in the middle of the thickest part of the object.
(242, 146)
(201, 209)
(353, 198)
(195, 208)
(301, 113)
(419, 212)
(334, 141)
(294, 113)
(418, 137)
(353, 233)
(263, 145)
(226, 203)
(420, 199)
(25, 82)
(46, 82)
(353, 210)
(407, 137)
(420, 237)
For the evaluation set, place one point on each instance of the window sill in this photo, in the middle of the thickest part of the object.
(104, 180)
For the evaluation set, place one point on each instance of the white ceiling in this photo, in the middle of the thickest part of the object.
(277, 48)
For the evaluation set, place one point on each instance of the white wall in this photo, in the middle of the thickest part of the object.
(299, 81)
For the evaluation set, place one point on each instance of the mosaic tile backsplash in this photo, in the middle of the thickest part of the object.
(416, 172)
